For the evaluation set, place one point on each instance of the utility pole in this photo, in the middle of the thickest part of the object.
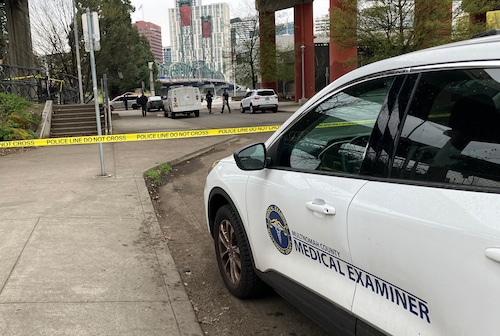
(77, 54)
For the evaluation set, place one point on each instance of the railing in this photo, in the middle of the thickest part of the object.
(33, 85)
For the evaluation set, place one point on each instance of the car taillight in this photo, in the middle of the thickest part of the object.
(175, 99)
(197, 97)
(276, 96)
(256, 97)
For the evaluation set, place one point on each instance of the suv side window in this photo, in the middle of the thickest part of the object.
(333, 136)
(452, 131)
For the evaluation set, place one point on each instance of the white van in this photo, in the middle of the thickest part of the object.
(182, 100)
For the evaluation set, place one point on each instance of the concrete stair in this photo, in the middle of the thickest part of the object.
(75, 120)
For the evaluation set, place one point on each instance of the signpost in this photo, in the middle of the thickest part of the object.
(90, 25)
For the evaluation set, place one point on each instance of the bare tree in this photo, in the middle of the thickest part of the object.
(247, 50)
(51, 23)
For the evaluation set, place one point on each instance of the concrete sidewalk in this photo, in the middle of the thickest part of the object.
(83, 254)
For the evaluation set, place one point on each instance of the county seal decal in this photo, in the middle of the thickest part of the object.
(277, 228)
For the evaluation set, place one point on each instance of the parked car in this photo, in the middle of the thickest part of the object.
(182, 100)
(119, 101)
(375, 208)
(154, 103)
(261, 99)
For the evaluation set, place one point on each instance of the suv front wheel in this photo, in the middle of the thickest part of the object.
(233, 255)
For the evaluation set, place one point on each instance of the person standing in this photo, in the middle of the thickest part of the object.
(125, 102)
(143, 101)
(225, 101)
(209, 97)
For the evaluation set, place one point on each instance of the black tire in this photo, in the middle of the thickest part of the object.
(173, 115)
(242, 109)
(252, 110)
(196, 113)
(275, 110)
(165, 114)
(234, 257)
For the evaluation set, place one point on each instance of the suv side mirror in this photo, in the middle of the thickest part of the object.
(252, 157)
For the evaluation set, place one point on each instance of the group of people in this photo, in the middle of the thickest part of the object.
(225, 101)
(143, 100)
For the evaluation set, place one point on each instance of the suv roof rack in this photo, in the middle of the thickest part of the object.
(487, 33)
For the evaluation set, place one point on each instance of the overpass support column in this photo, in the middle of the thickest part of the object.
(20, 51)
(267, 27)
(304, 51)
(343, 54)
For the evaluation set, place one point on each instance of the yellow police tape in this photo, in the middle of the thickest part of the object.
(92, 139)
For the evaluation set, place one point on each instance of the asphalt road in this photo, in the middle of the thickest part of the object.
(131, 121)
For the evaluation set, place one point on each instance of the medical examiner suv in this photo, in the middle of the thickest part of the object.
(375, 208)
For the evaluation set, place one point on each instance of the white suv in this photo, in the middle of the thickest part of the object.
(376, 207)
(261, 99)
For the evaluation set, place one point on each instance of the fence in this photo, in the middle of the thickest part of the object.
(33, 85)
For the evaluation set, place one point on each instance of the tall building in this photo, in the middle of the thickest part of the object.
(193, 3)
(201, 36)
(153, 33)
(167, 55)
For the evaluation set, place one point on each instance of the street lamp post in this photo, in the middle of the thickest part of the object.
(77, 54)
(303, 100)
(151, 82)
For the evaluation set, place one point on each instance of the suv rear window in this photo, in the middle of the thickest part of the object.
(265, 93)
(451, 134)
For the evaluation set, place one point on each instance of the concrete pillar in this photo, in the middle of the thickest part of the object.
(268, 71)
(343, 58)
(20, 50)
(304, 50)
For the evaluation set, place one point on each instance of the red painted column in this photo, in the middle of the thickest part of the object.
(304, 44)
(342, 59)
(267, 27)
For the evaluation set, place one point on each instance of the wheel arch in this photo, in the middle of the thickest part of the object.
(218, 198)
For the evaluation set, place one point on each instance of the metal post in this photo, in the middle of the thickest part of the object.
(77, 54)
(151, 82)
(94, 85)
(303, 100)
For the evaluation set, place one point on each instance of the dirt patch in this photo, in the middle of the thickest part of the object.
(180, 211)
(7, 151)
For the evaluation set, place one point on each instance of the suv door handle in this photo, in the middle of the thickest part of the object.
(493, 253)
(319, 206)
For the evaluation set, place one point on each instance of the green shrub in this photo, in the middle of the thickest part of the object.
(156, 175)
(19, 134)
(17, 120)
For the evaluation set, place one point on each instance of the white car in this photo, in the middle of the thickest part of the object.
(129, 98)
(261, 99)
(376, 207)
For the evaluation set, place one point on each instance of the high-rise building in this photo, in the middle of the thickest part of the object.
(167, 55)
(153, 33)
(193, 3)
(201, 36)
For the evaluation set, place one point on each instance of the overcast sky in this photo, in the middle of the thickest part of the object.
(156, 11)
